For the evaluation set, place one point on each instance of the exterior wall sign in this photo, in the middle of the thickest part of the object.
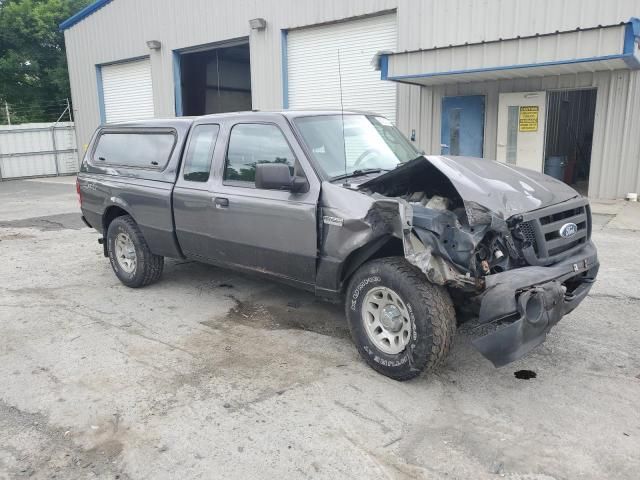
(529, 118)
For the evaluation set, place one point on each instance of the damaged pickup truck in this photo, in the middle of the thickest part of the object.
(342, 205)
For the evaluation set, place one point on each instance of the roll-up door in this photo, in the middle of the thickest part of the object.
(312, 65)
(127, 91)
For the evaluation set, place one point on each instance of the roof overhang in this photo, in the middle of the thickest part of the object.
(611, 47)
(82, 14)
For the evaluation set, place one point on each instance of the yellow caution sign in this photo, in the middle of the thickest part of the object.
(529, 118)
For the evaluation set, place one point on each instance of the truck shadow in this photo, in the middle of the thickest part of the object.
(259, 303)
(269, 305)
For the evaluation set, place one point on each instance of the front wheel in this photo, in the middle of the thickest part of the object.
(131, 258)
(400, 323)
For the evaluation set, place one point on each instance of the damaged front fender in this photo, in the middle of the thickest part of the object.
(355, 226)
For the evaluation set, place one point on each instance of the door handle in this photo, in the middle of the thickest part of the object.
(221, 202)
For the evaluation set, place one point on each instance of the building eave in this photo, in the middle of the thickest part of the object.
(455, 63)
(82, 14)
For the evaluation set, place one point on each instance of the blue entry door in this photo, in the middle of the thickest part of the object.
(462, 130)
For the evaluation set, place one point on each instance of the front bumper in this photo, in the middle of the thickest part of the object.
(523, 304)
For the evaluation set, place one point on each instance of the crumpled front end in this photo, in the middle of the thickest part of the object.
(522, 305)
(524, 269)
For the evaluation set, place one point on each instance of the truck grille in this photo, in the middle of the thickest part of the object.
(541, 229)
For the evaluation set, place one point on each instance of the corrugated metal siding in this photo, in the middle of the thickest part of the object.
(496, 56)
(27, 150)
(314, 78)
(437, 23)
(127, 91)
(615, 155)
(119, 31)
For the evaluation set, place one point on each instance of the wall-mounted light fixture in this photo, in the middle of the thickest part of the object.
(258, 23)
(154, 44)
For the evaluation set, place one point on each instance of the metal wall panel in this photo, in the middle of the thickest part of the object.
(615, 155)
(37, 149)
(436, 23)
(119, 30)
(499, 57)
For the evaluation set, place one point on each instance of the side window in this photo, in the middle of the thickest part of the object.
(250, 144)
(197, 161)
(134, 149)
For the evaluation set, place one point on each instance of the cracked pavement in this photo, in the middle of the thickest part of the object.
(212, 374)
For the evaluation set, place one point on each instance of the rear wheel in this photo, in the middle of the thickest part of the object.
(131, 259)
(401, 324)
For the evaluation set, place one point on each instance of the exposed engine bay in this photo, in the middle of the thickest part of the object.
(469, 237)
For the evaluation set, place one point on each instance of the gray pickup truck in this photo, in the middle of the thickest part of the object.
(342, 205)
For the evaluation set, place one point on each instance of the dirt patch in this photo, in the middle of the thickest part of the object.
(65, 221)
(285, 309)
(15, 236)
(55, 455)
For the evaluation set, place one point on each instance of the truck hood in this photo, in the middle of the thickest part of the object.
(504, 189)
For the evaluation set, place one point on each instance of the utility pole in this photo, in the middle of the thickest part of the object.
(6, 109)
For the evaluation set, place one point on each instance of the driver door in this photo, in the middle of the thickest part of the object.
(269, 231)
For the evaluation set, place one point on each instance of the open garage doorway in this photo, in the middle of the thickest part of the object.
(569, 137)
(214, 80)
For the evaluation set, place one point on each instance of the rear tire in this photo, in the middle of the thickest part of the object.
(413, 325)
(131, 259)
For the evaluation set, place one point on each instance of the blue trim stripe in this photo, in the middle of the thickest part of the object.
(177, 83)
(82, 14)
(632, 36)
(285, 69)
(103, 115)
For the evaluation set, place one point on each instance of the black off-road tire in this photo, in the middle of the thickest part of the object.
(148, 268)
(431, 312)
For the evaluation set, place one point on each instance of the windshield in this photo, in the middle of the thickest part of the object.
(369, 143)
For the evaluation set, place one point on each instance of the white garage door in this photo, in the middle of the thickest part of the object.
(313, 76)
(127, 91)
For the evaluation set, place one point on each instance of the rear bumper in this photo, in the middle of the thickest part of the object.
(523, 304)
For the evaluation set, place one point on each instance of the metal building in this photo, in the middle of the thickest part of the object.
(552, 85)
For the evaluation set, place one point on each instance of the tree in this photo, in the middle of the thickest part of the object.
(33, 65)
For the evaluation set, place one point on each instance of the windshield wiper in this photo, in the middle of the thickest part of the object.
(359, 173)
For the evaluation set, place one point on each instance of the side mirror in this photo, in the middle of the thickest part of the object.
(276, 176)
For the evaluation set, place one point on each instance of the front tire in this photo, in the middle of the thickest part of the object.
(401, 324)
(131, 259)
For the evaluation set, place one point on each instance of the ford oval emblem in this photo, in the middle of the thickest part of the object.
(568, 230)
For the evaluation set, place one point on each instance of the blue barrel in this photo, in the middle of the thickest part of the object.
(555, 166)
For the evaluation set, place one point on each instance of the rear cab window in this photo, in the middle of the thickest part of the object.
(149, 148)
(197, 161)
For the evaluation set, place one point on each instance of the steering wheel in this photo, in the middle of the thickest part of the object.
(365, 154)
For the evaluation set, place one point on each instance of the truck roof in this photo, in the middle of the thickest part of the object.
(258, 115)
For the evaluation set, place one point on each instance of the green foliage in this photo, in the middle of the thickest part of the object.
(33, 65)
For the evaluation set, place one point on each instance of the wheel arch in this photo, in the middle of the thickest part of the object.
(112, 212)
(388, 246)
